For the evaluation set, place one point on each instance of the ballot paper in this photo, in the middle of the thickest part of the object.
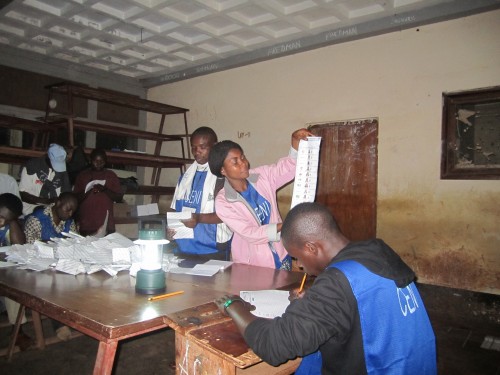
(174, 221)
(4, 249)
(198, 270)
(222, 264)
(147, 209)
(7, 264)
(306, 172)
(77, 254)
(268, 303)
(92, 183)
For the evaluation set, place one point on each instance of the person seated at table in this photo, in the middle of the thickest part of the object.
(11, 207)
(195, 192)
(248, 202)
(97, 188)
(362, 315)
(43, 179)
(52, 220)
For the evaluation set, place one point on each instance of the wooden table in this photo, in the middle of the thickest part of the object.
(109, 310)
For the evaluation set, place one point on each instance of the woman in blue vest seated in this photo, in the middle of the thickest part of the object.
(362, 315)
(52, 220)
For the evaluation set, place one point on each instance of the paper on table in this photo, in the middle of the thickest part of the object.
(198, 270)
(92, 183)
(4, 249)
(268, 303)
(72, 234)
(306, 172)
(222, 264)
(7, 264)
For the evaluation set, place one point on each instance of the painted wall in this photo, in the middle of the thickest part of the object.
(448, 231)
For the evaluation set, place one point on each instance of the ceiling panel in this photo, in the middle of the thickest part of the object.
(161, 41)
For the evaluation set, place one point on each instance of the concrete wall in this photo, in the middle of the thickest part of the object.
(448, 231)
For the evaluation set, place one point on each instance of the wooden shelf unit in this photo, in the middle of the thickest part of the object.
(40, 132)
(157, 161)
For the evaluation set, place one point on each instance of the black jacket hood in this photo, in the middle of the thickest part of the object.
(379, 258)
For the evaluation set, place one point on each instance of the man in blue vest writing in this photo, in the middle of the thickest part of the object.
(362, 315)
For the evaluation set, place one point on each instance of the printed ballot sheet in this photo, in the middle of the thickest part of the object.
(268, 303)
(306, 173)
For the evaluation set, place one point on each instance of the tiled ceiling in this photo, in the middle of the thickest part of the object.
(160, 41)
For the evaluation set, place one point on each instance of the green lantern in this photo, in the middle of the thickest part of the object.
(151, 278)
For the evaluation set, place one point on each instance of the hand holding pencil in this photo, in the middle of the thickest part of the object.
(298, 293)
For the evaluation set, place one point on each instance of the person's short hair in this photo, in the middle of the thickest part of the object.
(308, 221)
(67, 196)
(98, 152)
(218, 154)
(12, 203)
(205, 131)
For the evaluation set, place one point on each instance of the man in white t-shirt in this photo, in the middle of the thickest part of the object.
(43, 179)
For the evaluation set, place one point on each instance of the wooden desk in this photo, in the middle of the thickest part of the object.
(109, 310)
(208, 342)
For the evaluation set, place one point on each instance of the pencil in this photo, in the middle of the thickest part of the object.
(302, 283)
(161, 296)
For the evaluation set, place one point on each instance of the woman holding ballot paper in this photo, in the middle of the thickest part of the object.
(248, 203)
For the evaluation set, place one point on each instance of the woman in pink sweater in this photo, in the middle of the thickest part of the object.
(248, 205)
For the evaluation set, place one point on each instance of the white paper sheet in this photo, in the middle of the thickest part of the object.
(174, 222)
(306, 172)
(222, 264)
(4, 249)
(92, 183)
(198, 270)
(7, 264)
(147, 209)
(268, 303)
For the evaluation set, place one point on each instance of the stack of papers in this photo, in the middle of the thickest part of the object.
(77, 254)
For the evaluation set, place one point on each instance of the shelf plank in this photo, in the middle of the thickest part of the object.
(61, 122)
(113, 97)
(17, 155)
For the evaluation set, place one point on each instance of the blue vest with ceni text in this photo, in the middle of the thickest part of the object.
(397, 334)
